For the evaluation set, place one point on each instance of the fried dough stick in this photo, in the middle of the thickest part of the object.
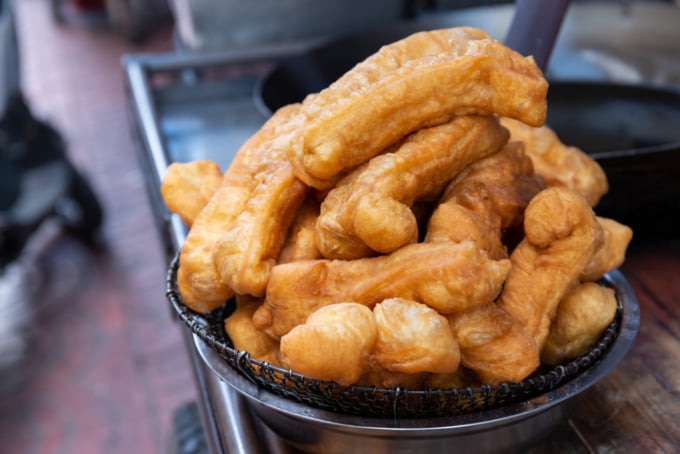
(188, 186)
(493, 345)
(612, 254)
(246, 251)
(446, 276)
(581, 318)
(559, 164)
(245, 337)
(373, 205)
(300, 241)
(487, 198)
(561, 237)
(300, 245)
(413, 338)
(394, 93)
(333, 344)
(198, 280)
(249, 246)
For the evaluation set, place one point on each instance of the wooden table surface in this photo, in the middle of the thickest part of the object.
(635, 408)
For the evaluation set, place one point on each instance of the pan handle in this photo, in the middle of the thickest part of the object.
(534, 28)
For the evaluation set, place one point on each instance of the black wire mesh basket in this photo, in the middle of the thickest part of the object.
(373, 401)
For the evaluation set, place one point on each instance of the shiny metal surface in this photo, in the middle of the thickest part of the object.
(628, 42)
(509, 427)
(209, 25)
(534, 28)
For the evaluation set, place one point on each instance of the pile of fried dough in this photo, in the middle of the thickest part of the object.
(414, 224)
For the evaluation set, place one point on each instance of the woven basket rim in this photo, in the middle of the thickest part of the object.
(430, 402)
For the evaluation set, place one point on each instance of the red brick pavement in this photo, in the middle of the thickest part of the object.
(107, 368)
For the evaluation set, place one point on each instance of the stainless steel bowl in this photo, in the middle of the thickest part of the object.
(513, 426)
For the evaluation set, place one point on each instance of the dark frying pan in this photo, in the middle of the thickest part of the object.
(633, 131)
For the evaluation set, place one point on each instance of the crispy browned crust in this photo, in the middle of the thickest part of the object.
(561, 237)
(300, 243)
(413, 338)
(188, 186)
(199, 282)
(421, 81)
(448, 277)
(493, 345)
(581, 318)
(245, 337)
(487, 198)
(559, 164)
(612, 254)
(370, 210)
(342, 336)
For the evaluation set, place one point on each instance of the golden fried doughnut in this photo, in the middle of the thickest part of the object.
(245, 337)
(199, 282)
(333, 344)
(460, 71)
(612, 254)
(300, 241)
(493, 345)
(581, 318)
(188, 186)
(559, 164)
(448, 277)
(561, 237)
(413, 338)
(488, 197)
(376, 199)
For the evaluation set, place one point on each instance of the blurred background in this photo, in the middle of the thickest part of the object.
(90, 358)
